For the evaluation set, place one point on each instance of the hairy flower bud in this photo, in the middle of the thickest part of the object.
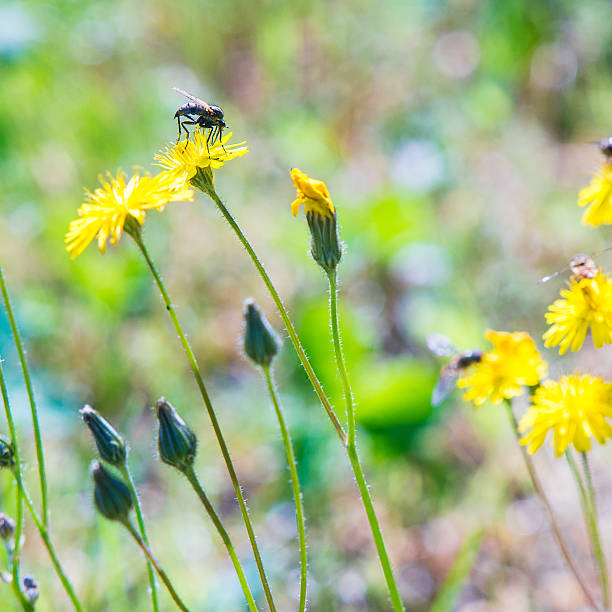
(177, 443)
(6, 454)
(109, 443)
(112, 496)
(260, 342)
(7, 527)
(30, 589)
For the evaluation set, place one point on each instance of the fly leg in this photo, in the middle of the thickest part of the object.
(183, 124)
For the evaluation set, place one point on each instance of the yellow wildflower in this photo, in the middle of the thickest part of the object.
(586, 304)
(504, 371)
(312, 193)
(105, 211)
(598, 196)
(184, 158)
(574, 408)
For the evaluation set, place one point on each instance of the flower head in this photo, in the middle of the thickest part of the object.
(312, 193)
(586, 304)
(106, 210)
(598, 197)
(574, 408)
(182, 160)
(504, 371)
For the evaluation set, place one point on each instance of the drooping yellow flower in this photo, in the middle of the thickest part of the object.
(574, 408)
(312, 193)
(105, 211)
(586, 304)
(598, 197)
(184, 158)
(512, 364)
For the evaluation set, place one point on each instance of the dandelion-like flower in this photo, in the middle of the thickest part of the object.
(106, 210)
(574, 408)
(504, 371)
(598, 197)
(182, 160)
(586, 304)
(312, 193)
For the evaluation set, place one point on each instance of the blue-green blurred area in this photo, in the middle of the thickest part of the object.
(453, 137)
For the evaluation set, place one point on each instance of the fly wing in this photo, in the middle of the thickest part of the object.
(193, 98)
(444, 386)
(440, 345)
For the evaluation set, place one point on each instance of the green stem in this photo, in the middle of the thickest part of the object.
(197, 487)
(293, 336)
(155, 563)
(125, 471)
(537, 487)
(352, 449)
(44, 535)
(28, 383)
(295, 483)
(588, 505)
(211, 413)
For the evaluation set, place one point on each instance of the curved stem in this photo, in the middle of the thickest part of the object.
(295, 484)
(40, 459)
(293, 336)
(352, 450)
(197, 487)
(155, 563)
(125, 471)
(211, 413)
(537, 487)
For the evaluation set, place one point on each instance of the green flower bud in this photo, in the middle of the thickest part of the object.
(110, 444)
(7, 527)
(112, 496)
(324, 245)
(30, 589)
(261, 343)
(177, 443)
(6, 454)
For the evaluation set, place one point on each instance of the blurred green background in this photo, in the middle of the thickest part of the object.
(453, 137)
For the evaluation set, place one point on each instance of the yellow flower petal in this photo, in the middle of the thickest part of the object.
(312, 193)
(598, 197)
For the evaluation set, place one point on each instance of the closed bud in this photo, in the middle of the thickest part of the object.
(109, 443)
(7, 527)
(6, 454)
(260, 342)
(177, 443)
(112, 496)
(30, 589)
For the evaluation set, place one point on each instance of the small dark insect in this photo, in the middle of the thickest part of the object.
(605, 146)
(582, 266)
(202, 114)
(440, 345)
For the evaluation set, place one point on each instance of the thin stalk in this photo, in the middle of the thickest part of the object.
(155, 563)
(211, 413)
(295, 484)
(19, 496)
(352, 449)
(293, 336)
(125, 471)
(40, 459)
(537, 487)
(197, 487)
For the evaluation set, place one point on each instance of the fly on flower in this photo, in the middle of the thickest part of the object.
(440, 345)
(605, 146)
(208, 116)
(582, 266)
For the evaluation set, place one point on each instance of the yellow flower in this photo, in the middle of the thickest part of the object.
(575, 408)
(105, 211)
(586, 304)
(312, 194)
(513, 363)
(183, 159)
(598, 195)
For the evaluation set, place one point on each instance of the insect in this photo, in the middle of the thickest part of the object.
(582, 266)
(202, 114)
(440, 345)
(605, 146)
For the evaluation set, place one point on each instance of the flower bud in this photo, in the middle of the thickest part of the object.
(30, 589)
(112, 496)
(177, 443)
(109, 443)
(324, 245)
(260, 341)
(6, 454)
(7, 527)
